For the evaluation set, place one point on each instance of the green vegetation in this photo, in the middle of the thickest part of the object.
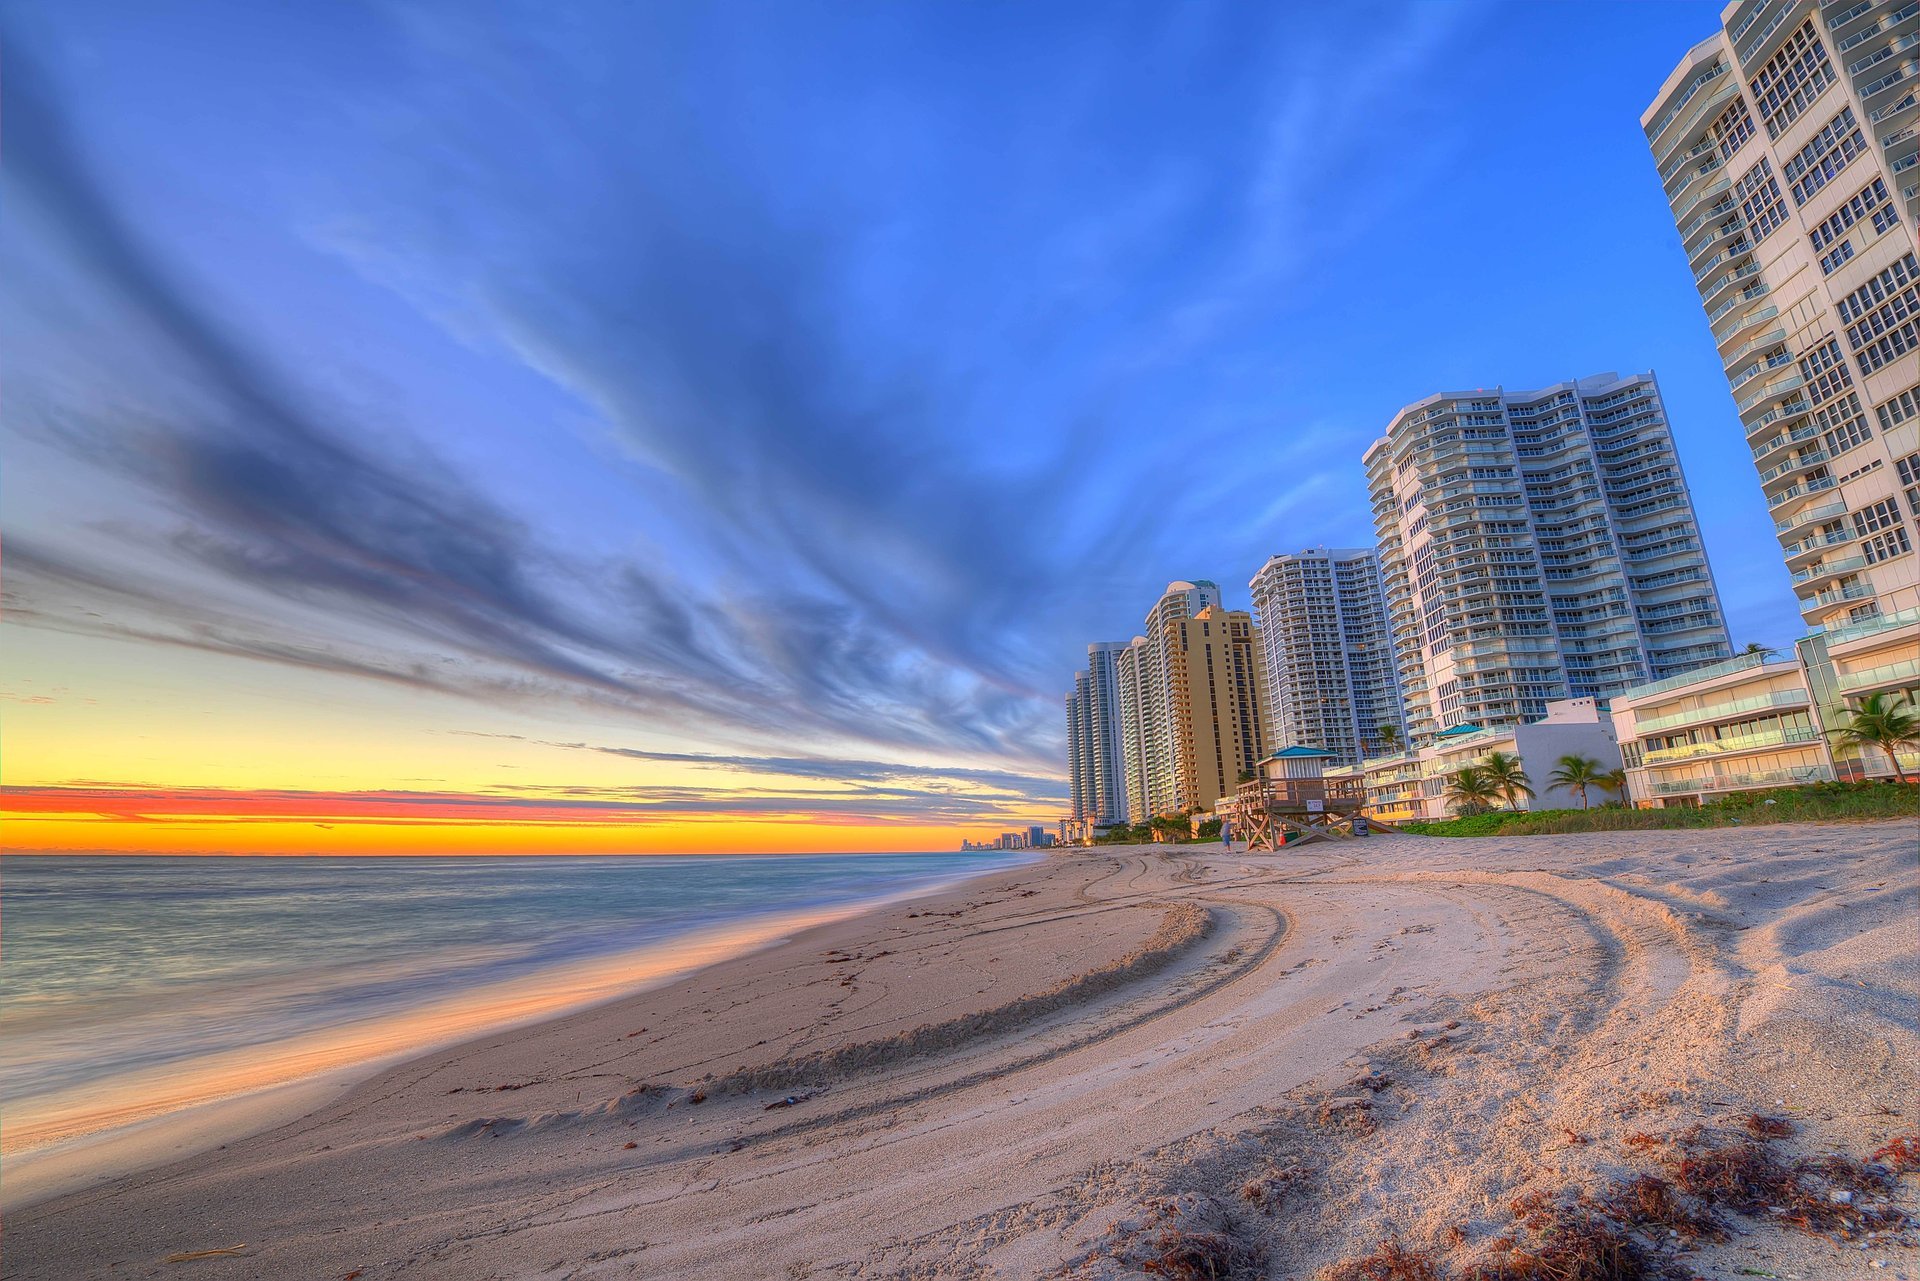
(1815, 803)
(1887, 723)
(1509, 781)
(1579, 773)
(1470, 792)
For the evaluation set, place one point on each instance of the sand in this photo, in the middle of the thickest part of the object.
(1072, 1068)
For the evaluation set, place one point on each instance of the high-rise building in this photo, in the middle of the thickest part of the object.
(1095, 746)
(1331, 681)
(1789, 145)
(1130, 668)
(1160, 711)
(1080, 760)
(1107, 795)
(1215, 672)
(1537, 546)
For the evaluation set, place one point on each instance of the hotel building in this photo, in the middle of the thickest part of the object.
(1216, 676)
(1789, 146)
(1537, 546)
(1330, 673)
(1160, 706)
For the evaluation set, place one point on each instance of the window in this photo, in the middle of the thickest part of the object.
(1845, 424)
(1902, 407)
(1759, 196)
(1831, 150)
(1792, 79)
(1733, 128)
(1909, 469)
(1883, 312)
(1826, 372)
(1829, 261)
(1870, 197)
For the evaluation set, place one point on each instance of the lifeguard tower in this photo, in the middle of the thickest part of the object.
(1291, 801)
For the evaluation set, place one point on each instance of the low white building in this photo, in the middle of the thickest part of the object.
(1413, 785)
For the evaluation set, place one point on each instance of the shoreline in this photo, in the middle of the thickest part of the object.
(1046, 1070)
(82, 1138)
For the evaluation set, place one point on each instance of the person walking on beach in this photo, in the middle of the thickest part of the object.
(1226, 834)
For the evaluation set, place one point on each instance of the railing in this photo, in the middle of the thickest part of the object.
(1746, 296)
(1738, 663)
(1738, 743)
(1807, 517)
(1893, 50)
(1718, 711)
(1893, 108)
(1854, 631)
(1771, 390)
(1885, 674)
(1705, 78)
(1806, 545)
(1852, 591)
(1740, 782)
(1883, 23)
(1805, 432)
(1847, 565)
(1811, 458)
(1810, 487)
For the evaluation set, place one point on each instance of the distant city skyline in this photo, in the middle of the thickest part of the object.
(660, 430)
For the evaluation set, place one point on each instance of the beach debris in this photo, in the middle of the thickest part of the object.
(787, 1102)
(1265, 1189)
(189, 1256)
(1391, 1261)
(1186, 1237)
(1902, 1156)
(698, 1096)
(629, 1146)
(1766, 1127)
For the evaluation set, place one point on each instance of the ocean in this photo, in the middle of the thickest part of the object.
(135, 986)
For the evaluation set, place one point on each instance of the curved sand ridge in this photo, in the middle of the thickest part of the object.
(1444, 1027)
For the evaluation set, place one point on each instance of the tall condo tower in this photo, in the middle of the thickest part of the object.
(1331, 682)
(1095, 746)
(1789, 144)
(1160, 709)
(1215, 673)
(1537, 545)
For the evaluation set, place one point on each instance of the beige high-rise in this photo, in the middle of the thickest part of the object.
(1217, 679)
(1789, 146)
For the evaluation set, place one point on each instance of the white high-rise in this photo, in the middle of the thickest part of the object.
(1789, 145)
(1331, 680)
(1096, 748)
(1535, 546)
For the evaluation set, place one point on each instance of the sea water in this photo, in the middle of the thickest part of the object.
(173, 979)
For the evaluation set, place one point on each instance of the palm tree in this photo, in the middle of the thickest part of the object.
(1755, 647)
(1886, 723)
(1615, 781)
(1469, 790)
(1510, 782)
(1577, 772)
(1389, 736)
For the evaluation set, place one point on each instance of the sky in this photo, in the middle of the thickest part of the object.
(434, 427)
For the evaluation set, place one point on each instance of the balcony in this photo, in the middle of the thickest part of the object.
(1904, 672)
(1812, 458)
(1838, 595)
(1739, 249)
(1748, 295)
(1706, 216)
(1743, 324)
(1713, 290)
(1885, 22)
(1806, 431)
(1814, 486)
(1830, 569)
(1764, 340)
(1712, 712)
(1771, 391)
(1808, 517)
(1814, 544)
(1738, 743)
(1706, 193)
(1742, 782)
(1886, 622)
(1893, 109)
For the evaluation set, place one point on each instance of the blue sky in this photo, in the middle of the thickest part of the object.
(779, 380)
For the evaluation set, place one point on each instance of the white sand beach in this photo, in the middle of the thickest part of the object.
(1274, 1062)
